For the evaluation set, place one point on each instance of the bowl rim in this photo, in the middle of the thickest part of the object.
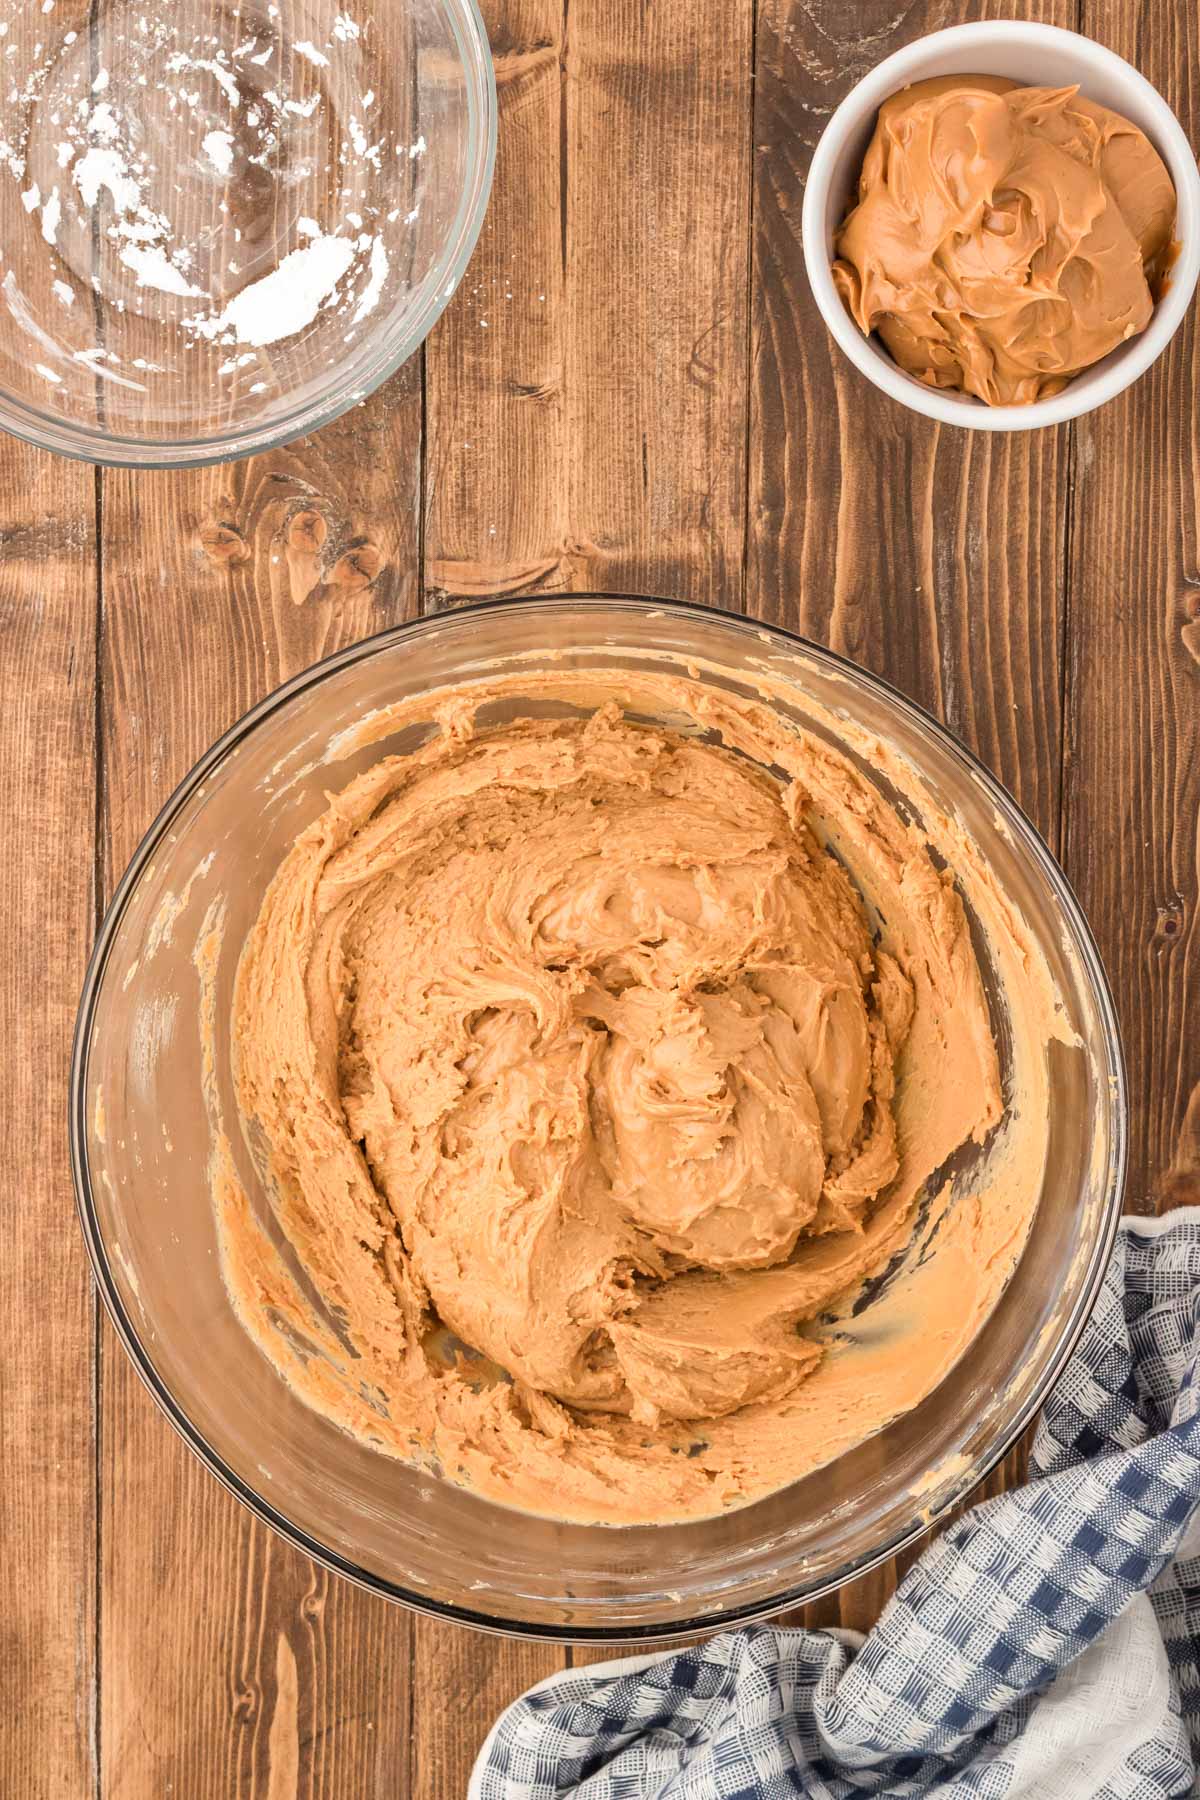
(966, 1481)
(49, 431)
(1132, 360)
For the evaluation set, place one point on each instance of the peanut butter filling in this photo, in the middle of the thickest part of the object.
(1004, 237)
(595, 1066)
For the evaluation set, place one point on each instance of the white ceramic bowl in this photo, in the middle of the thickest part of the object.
(1035, 55)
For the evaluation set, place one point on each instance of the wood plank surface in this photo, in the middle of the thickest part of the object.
(462, 1681)
(631, 391)
(47, 1320)
(48, 602)
(587, 390)
(936, 557)
(230, 1664)
(1132, 764)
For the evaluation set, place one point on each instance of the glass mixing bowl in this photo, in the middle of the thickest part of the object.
(223, 226)
(141, 1142)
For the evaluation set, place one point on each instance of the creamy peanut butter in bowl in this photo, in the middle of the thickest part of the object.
(597, 1118)
(1002, 225)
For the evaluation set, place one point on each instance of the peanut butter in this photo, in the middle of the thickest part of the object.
(596, 1065)
(1004, 237)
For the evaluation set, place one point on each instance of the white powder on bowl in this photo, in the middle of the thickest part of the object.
(283, 302)
(218, 147)
(107, 133)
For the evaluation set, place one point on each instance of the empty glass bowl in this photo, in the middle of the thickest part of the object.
(221, 226)
(142, 1088)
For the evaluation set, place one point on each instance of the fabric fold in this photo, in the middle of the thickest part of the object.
(1043, 1648)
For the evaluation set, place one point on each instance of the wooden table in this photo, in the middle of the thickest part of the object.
(631, 392)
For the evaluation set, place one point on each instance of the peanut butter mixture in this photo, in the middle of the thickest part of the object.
(1004, 238)
(597, 1064)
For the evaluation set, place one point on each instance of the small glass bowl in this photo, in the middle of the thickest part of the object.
(221, 227)
(142, 1083)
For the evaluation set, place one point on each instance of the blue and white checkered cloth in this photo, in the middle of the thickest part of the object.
(1044, 1648)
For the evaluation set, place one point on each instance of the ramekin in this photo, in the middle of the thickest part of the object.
(1035, 55)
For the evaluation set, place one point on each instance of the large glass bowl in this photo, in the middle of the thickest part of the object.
(141, 1142)
(222, 226)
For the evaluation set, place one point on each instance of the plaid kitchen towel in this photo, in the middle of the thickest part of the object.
(1044, 1648)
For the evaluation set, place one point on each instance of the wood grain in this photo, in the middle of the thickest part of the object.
(462, 1681)
(932, 555)
(935, 556)
(1132, 772)
(587, 387)
(47, 1321)
(495, 497)
(231, 1666)
(631, 392)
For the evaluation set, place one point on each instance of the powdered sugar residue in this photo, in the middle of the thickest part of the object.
(152, 269)
(379, 271)
(51, 214)
(100, 168)
(218, 147)
(243, 176)
(283, 302)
